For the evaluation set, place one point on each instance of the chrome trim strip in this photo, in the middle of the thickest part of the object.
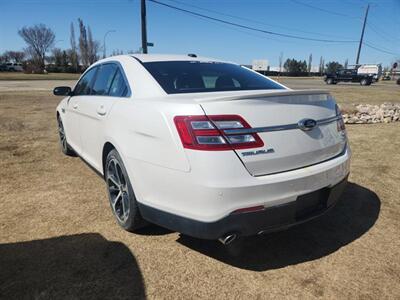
(278, 127)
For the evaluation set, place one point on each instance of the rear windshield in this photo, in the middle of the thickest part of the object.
(195, 77)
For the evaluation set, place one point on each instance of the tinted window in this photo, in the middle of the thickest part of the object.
(194, 76)
(84, 85)
(104, 78)
(118, 86)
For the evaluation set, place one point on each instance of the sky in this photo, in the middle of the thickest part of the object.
(178, 32)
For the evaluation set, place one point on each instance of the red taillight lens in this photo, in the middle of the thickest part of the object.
(207, 133)
(249, 209)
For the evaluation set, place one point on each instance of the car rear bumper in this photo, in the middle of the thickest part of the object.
(275, 218)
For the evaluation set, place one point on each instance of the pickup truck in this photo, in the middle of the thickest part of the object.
(348, 75)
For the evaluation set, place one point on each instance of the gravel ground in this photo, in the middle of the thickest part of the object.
(58, 238)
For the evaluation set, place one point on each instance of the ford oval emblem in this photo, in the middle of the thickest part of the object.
(307, 124)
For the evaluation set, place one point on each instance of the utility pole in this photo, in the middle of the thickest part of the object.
(144, 27)
(362, 35)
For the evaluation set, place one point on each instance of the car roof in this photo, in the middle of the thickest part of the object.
(170, 57)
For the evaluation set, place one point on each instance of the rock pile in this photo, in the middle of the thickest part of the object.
(371, 114)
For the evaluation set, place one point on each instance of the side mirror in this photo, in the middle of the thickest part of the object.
(62, 91)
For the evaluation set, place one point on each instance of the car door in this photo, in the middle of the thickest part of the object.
(348, 75)
(354, 76)
(73, 115)
(95, 111)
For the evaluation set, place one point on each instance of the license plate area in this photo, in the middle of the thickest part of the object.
(311, 204)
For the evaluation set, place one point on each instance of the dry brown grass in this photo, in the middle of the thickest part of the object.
(58, 238)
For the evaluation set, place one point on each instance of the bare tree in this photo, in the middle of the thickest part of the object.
(73, 53)
(93, 47)
(39, 39)
(89, 48)
(3, 58)
(309, 64)
(16, 56)
(321, 66)
(280, 62)
(117, 52)
(57, 56)
(346, 63)
(83, 44)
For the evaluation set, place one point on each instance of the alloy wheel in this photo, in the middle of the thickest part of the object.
(118, 190)
(61, 133)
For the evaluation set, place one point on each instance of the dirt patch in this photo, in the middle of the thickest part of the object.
(11, 125)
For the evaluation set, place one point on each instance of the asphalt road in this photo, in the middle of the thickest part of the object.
(32, 85)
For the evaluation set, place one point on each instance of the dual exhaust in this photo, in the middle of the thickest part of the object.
(231, 237)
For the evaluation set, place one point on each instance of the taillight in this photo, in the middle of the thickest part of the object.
(207, 133)
(340, 123)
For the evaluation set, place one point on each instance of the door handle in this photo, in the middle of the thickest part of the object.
(75, 105)
(101, 111)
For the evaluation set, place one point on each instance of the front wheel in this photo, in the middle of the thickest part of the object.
(120, 193)
(65, 148)
(329, 81)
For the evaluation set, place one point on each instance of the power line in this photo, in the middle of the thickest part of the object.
(378, 33)
(249, 20)
(250, 33)
(249, 27)
(325, 10)
(380, 47)
(368, 44)
(380, 50)
(217, 20)
(382, 33)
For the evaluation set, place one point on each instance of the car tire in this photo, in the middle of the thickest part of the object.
(329, 81)
(65, 148)
(364, 82)
(120, 194)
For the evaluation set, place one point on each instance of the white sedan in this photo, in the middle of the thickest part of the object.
(205, 147)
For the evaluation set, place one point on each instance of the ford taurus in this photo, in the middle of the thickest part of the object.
(204, 147)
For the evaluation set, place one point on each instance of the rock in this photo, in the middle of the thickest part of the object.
(372, 114)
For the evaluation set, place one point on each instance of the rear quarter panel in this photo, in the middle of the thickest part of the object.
(144, 130)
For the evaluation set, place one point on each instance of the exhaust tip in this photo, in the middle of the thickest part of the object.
(227, 239)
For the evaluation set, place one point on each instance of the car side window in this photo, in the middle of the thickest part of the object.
(118, 86)
(104, 78)
(84, 85)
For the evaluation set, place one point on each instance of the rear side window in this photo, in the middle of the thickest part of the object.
(197, 76)
(84, 85)
(118, 86)
(104, 78)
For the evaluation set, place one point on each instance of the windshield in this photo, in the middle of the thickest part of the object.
(194, 77)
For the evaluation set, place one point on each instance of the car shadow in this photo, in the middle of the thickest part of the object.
(153, 230)
(356, 212)
(83, 266)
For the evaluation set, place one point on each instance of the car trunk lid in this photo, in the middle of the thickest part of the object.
(279, 117)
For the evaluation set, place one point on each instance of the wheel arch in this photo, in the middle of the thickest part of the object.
(106, 149)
